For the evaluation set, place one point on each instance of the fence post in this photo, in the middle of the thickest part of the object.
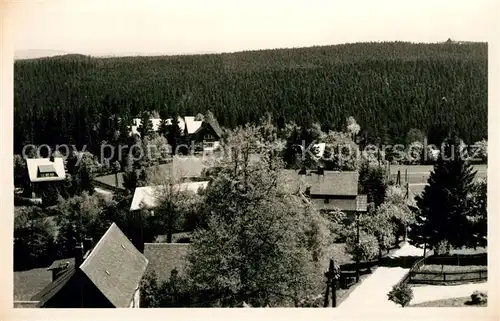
(444, 277)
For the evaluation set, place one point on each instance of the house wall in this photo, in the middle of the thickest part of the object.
(206, 133)
(79, 292)
(135, 303)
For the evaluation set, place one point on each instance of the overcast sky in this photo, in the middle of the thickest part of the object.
(119, 27)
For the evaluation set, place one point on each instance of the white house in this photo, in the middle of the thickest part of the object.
(188, 125)
(45, 169)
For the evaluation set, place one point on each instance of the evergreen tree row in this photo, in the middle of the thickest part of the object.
(388, 87)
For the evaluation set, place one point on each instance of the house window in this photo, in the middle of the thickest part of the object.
(50, 174)
(46, 171)
(209, 137)
(327, 200)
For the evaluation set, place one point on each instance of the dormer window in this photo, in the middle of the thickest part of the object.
(46, 171)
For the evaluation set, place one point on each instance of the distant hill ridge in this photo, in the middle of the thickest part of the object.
(389, 87)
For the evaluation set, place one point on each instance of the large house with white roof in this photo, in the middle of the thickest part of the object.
(43, 171)
(206, 132)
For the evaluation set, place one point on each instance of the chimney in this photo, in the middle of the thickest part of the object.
(58, 270)
(79, 255)
(87, 245)
(137, 234)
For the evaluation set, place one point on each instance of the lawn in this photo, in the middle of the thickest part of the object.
(28, 283)
(469, 251)
(447, 303)
(419, 169)
(418, 174)
(452, 268)
(475, 273)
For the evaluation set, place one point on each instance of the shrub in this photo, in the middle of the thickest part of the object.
(443, 248)
(478, 298)
(365, 250)
(312, 301)
(401, 294)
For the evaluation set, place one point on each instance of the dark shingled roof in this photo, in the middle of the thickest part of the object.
(52, 288)
(215, 125)
(334, 183)
(164, 257)
(347, 204)
(115, 266)
(330, 184)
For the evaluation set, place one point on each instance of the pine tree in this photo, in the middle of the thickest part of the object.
(130, 177)
(174, 134)
(146, 127)
(163, 128)
(446, 201)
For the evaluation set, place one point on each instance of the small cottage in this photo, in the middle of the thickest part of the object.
(107, 275)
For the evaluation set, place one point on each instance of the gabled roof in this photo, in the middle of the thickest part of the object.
(334, 183)
(42, 165)
(337, 203)
(52, 288)
(212, 122)
(191, 124)
(146, 196)
(138, 121)
(134, 129)
(164, 257)
(115, 267)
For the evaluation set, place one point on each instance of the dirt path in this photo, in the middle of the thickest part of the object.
(372, 292)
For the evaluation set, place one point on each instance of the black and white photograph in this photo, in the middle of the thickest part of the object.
(257, 154)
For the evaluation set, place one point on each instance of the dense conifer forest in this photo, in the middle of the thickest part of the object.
(388, 87)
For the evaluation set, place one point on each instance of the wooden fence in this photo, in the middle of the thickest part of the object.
(416, 276)
(415, 267)
(431, 277)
